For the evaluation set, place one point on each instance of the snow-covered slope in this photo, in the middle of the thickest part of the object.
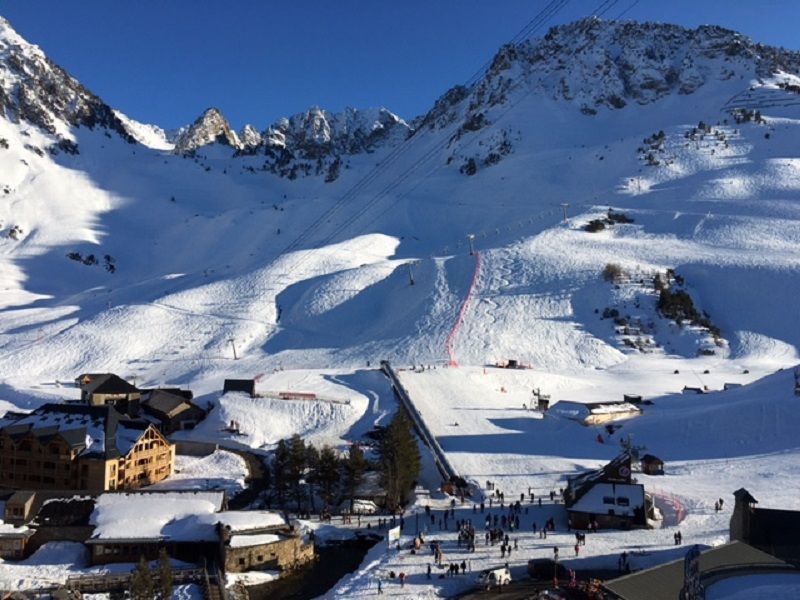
(135, 259)
(151, 136)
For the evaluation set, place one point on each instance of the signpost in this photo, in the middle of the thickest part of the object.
(393, 536)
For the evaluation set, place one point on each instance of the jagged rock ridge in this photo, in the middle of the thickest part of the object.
(209, 128)
(35, 90)
(599, 65)
(317, 141)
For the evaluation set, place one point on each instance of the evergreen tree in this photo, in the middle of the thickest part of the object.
(296, 467)
(165, 577)
(280, 470)
(398, 460)
(142, 587)
(327, 474)
(354, 468)
(312, 472)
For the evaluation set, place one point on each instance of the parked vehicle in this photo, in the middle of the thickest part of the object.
(544, 569)
(490, 578)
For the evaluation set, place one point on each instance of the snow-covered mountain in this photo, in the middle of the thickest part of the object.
(293, 239)
(209, 128)
(317, 141)
(34, 90)
(312, 143)
(329, 241)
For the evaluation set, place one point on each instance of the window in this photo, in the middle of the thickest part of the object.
(622, 501)
(54, 449)
(260, 557)
(608, 500)
(241, 561)
(25, 446)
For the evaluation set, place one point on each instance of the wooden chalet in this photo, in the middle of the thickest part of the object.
(102, 389)
(608, 497)
(652, 465)
(170, 411)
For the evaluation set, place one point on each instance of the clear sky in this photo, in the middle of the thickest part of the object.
(165, 61)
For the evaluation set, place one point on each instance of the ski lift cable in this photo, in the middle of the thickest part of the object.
(347, 223)
(392, 157)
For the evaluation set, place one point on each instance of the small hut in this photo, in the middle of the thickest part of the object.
(652, 465)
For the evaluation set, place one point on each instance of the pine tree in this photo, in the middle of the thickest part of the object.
(296, 467)
(280, 470)
(312, 472)
(399, 460)
(165, 577)
(354, 468)
(142, 587)
(327, 473)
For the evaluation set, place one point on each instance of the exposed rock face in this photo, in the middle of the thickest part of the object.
(209, 128)
(599, 65)
(35, 90)
(316, 142)
(249, 137)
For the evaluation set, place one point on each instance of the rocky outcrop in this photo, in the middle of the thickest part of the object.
(209, 128)
(35, 90)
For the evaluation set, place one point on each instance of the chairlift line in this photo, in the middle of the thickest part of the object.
(548, 12)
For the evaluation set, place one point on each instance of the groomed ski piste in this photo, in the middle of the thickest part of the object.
(199, 247)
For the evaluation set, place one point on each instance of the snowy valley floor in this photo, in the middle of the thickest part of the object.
(712, 444)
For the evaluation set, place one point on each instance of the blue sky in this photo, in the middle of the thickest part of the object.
(165, 61)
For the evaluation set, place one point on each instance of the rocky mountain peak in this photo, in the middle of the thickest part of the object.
(249, 136)
(209, 128)
(39, 92)
(606, 65)
(316, 141)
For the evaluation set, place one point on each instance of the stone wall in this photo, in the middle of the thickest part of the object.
(286, 554)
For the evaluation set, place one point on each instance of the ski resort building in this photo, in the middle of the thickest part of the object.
(772, 530)
(594, 413)
(245, 386)
(101, 389)
(193, 525)
(260, 540)
(608, 497)
(77, 447)
(14, 541)
(171, 411)
(670, 582)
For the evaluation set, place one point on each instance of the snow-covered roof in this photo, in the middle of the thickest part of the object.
(244, 541)
(177, 516)
(575, 409)
(7, 530)
(93, 430)
(241, 520)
